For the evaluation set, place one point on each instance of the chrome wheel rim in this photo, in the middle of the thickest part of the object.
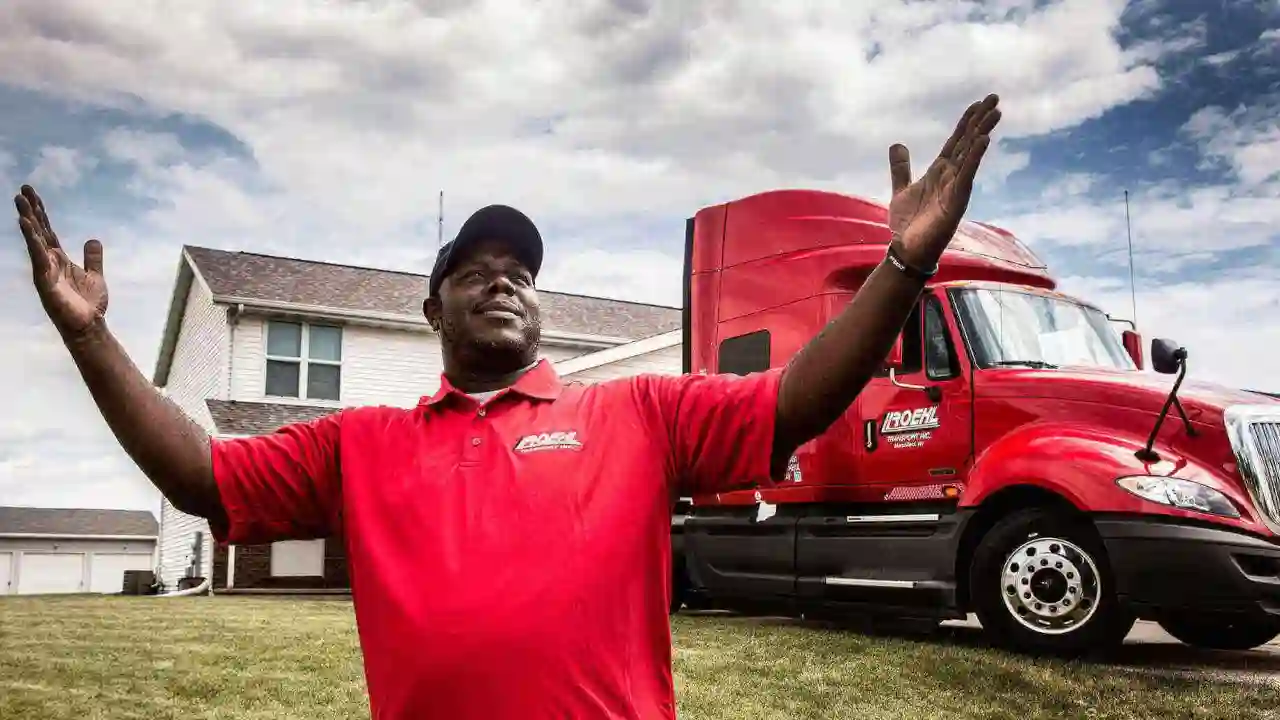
(1050, 586)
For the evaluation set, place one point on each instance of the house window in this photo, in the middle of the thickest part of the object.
(745, 354)
(304, 360)
(297, 558)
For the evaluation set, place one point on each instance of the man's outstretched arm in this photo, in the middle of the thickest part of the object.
(171, 449)
(825, 377)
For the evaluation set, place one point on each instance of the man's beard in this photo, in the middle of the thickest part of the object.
(496, 356)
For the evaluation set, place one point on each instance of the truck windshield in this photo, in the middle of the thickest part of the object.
(1015, 328)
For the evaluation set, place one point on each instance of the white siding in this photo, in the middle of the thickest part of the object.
(380, 366)
(389, 367)
(198, 372)
(199, 369)
(177, 540)
(248, 364)
(667, 361)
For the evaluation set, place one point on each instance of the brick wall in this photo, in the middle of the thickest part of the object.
(253, 568)
(335, 564)
(219, 566)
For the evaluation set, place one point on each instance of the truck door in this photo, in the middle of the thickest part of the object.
(883, 542)
(737, 545)
(917, 426)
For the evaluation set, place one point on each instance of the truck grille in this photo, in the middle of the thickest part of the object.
(1255, 438)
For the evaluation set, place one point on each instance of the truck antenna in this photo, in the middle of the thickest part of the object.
(440, 221)
(1133, 291)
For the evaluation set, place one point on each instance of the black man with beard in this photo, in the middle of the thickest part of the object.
(508, 537)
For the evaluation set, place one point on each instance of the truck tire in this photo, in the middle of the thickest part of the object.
(1041, 583)
(1221, 631)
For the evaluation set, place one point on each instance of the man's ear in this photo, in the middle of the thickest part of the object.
(432, 311)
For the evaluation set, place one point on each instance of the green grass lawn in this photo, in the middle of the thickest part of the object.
(241, 658)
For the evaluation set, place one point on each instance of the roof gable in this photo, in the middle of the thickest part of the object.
(70, 522)
(250, 276)
(241, 277)
(240, 417)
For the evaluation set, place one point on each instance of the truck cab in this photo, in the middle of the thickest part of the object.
(1013, 458)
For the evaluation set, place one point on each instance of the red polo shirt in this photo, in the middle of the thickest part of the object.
(510, 560)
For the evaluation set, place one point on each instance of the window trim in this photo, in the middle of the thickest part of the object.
(917, 312)
(952, 299)
(953, 358)
(970, 351)
(302, 360)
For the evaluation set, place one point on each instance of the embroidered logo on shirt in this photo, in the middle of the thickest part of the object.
(549, 441)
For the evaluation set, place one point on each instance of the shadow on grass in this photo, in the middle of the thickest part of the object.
(1134, 653)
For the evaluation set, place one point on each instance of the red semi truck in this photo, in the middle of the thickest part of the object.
(1013, 459)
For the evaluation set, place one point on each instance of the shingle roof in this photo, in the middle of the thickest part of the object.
(238, 417)
(77, 521)
(307, 282)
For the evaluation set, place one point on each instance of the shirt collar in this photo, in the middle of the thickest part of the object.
(541, 382)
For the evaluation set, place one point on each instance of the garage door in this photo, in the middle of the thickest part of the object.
(6, 565)
(106, 570)
(50, 573)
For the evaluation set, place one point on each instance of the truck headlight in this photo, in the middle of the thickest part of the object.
(1180, 493)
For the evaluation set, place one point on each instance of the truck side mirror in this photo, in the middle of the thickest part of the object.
(894, 360)
(1133, 345)
(1166, 356)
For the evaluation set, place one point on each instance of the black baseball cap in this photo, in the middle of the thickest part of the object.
(493, 222)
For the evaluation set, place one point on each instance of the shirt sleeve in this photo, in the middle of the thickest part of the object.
(285, 485)
(718, 428)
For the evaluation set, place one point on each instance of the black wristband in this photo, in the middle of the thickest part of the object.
(907, 269)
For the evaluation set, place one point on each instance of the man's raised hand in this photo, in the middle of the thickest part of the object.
(925, 214)
(74, 297)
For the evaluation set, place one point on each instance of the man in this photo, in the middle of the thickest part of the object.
(508, 537)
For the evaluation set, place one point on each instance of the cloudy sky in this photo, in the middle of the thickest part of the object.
(325, 129)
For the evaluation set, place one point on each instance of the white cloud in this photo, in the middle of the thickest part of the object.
(639, 275)
(371, 108)
(1175, 223)
(1223, 323)
(1222, 58)
(1246, 138)
(599, 119)
(7, 164)
(999, 163)
(60, 167)
(146, 151)
(1227, 322)
(55, 449)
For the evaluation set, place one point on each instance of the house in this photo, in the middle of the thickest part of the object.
(57, 550)
(253, 342)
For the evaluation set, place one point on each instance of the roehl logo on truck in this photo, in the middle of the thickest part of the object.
(900, 421)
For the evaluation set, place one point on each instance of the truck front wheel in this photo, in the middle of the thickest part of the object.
(1221, 631)
(1040, 583)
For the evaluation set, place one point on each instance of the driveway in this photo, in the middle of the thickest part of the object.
(1148, 649)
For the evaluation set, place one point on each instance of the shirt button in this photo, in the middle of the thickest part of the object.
(475, 441)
